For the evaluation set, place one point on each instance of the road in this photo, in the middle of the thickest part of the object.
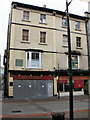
(44, 107)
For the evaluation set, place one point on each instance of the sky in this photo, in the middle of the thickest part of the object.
(77, 7)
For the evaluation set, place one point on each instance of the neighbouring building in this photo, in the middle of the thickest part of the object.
(36, 58)
(88, 37)
(1, 76)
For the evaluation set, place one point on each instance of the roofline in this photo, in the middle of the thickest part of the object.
(47, 10)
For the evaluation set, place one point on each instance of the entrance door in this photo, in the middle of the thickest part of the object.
(86, 87)
(50, 89)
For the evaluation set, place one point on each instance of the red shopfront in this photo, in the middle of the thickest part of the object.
(32, 86)
(78, 83)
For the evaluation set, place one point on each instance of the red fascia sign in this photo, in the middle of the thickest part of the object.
(26, 77)
(74, 78)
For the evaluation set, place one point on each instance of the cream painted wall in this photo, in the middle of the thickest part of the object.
(46, 61)
(54, 39)
(10, 88)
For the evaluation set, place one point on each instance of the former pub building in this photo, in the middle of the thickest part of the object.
(36, 58)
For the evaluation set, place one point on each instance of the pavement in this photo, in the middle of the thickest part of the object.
(40, 109)
(43, 108)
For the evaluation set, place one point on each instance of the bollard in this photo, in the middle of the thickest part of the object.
(58, 116)
(59, 95)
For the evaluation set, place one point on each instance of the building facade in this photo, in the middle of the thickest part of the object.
(1, 75)
(36, 58)
(88, 37)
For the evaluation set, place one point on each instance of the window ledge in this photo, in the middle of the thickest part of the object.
(77, 29)
(26, 20)
(42, 23)
(25, 42)
(65, 46)
(75, 68)
(31, 68)
(64, 26)
(42, 43)
(79, 48)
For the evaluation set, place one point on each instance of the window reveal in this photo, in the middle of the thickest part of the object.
(26, 15)
(42, 37)
(25, 35)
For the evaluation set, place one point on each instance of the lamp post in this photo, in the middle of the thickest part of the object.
(69, 63)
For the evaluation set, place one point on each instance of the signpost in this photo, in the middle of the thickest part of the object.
(69, 63)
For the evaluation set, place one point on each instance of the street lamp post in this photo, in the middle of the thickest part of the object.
(69, 63)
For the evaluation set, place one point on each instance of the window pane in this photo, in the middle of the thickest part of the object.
(33, 60)
(35, 64)
(26, 15)
(78, 41)
(65, 40)
(42, 37)
(27, 55)
(75, 62)
(64, 22)
(28, 60)
(35, 56)
(43, 18)
(77, 25)
(25, 35)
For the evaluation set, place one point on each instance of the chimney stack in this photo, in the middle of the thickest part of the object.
(44, 6)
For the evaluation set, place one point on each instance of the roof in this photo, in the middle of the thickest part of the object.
(47, 10)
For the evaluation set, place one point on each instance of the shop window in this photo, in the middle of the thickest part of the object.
(78, 85)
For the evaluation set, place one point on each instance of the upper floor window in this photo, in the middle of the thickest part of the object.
(75, 62)
(65, 40)
(25, 15)
(42, 18)
(33, 60)
(77, 25)
(64, 22)
(78, 41)
(42, 37)
(25, 35)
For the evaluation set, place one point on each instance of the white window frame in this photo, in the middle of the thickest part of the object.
(78, 41)
(23, 41)
(64, 22)
(64, 43)
(71, 61)
(45, 38)
(42, 20)
(25, 17)
(30, 60)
